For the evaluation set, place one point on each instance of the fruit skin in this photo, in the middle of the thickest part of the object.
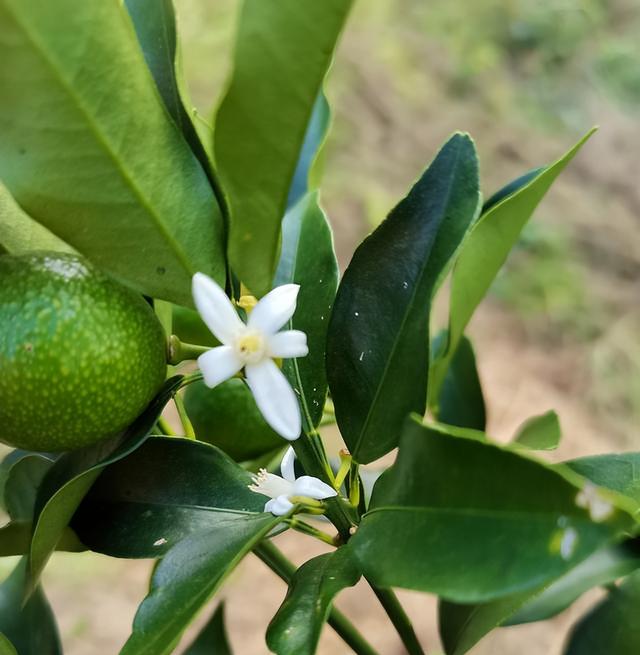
(227, 416)
(81, 355)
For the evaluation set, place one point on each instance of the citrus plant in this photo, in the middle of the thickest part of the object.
(148, 259)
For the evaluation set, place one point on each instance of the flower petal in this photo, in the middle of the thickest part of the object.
(289, 343)
(215, 308)
(311, 487)
(274, 309)
(271, 485)
(287, 466)
(278, 506)
(219, 364)
(275, 398)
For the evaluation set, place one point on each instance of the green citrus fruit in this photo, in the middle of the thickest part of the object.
(227, 416)
(81, 355)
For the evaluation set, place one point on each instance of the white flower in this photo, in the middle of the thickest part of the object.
(281, 489)
(253, 347)
(591, 499)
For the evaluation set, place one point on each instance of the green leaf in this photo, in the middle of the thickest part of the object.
(308, 259)
(619, 472)
(15, 539)
(186, 577)
(6, 647)
(282, 52)
(461, 400)
(612, 627)
(472, 521)
(540, 432)
(19, 233)
(23, 480)
(190, 328)
(377, 349)
(89, 151)
(71, 477)
(295, 629)
(212, 639)
(31, 627)
(484, 252)
(169, 488)
(511, 187)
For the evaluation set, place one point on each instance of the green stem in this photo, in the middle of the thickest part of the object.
(187, 427)
(167, 430)
(180, 352)
(285, 569)
(399, 618)
(307, 529)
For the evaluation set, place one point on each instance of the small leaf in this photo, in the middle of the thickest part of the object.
(212, 639)
(619, 472)
(282, 52)
(377, 349)
(296, 627)
(22, 483)
(308, 259)
(612, 627)
(472, 521)
(186, 577)
(540, 432)
(169, 488)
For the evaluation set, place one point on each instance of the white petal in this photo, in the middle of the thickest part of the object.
(274, 309)
(275, 398)
(287, 466)
(278, 506)
(215, 308)
(271, 485)
(290, 343)
(311, 487)
(219, 364)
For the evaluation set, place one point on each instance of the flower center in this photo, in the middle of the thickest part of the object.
(251, 347)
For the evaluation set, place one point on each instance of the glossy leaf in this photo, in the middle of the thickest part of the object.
(619, 472)
(71, 477)
(282, 52)
(22, 483)
(612, 627)
(484, 252)
(169, 488)
(212, 639)
(190, 328)
(187, 576)
(461, 399)
(377, 349)
(31, 627)
(511, 187)
(540, 432)
(308, 259)
(296, 627)
(15, 539)
(78, 105)
(472, 521)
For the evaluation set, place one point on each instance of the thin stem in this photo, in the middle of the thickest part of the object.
(307, 529)
(190, 379)
(163, 424)
(399, 618)
(285, 569)
(187, 427)
(180, 352)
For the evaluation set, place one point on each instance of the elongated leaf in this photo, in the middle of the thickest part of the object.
(169, 488)
(21, 487)
(620, 472)
(525, 524)
(540, 432)
(308, 259)
(15, 539)
(295, 629)
(483, 254)
(612, 627)
(185, 579)
(88, 150)
(71, 477)
(282, 53)
(377, 349)
(212, 639)
(6, 647)
(510, 188)
(31, 627)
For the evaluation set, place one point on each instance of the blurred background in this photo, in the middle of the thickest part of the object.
(560, 329)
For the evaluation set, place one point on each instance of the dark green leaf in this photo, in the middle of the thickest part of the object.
(472, 521)
(185, 579)
(612, 627)
(295, 629)
(31, 627)
(6, 647)
(212, 639)
(15, 539)
(620, 472)
(461, 400)
(511, 187)
(540, 432)
(308, 259)
(89, 151)
(377, 349)
(483, 254)
(282, 53)
(190, 328)
(22, 483)
(71, 477)
(169, 488)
